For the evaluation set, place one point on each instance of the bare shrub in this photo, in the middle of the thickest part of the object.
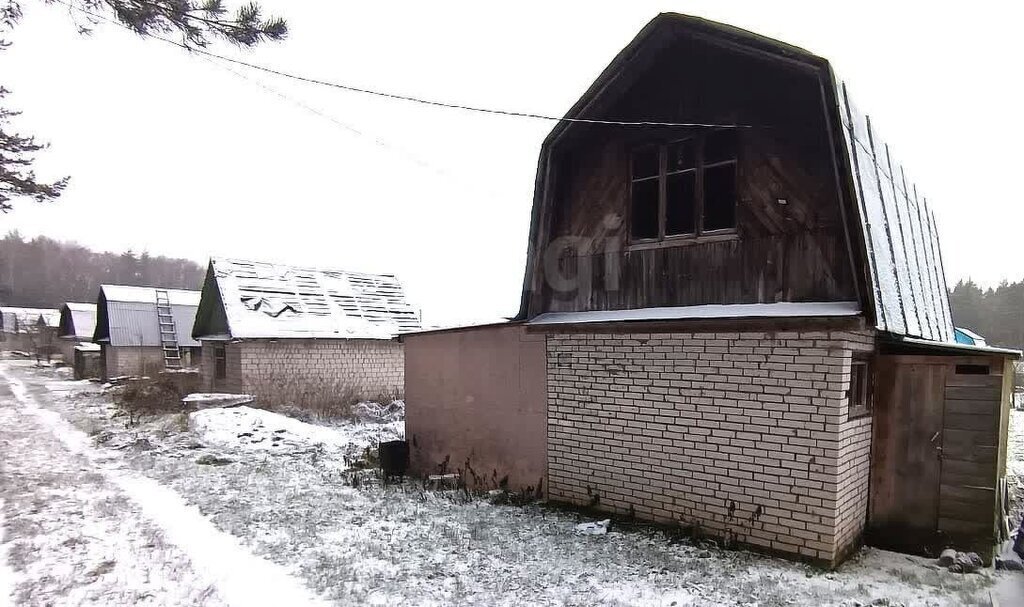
(148, 396)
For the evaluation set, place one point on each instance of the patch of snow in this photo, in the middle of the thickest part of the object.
(242, 578)
(369, 411)
(205, 400)
(7, 575)
(598, 528)
(248, 429)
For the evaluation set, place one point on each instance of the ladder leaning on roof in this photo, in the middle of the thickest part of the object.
(168, 331)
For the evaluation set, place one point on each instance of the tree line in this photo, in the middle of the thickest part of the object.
(996, 314)
(45, 273)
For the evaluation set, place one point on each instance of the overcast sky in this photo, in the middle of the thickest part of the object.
(172, 154)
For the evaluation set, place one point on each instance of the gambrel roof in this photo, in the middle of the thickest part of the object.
(127, 316)
(77, 321)
(893, 239)
(252, 299)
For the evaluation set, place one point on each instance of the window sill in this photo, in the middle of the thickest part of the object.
(858, 413)
(683, 241)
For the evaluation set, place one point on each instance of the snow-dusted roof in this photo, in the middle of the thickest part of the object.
(126, 316)
(251, 299)
(125, 293)
(903, 253)
(773, 310)
(20, 320)
(77, 321)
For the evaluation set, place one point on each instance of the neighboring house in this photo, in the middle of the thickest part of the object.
(968, 337)
(144, 330)
(30, 330)
(76, 329)
(301, 335)
(737, 322)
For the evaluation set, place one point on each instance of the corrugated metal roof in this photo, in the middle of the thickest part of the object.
(126, 316)
(20, 320)
(904, 256)
(77, 321)
(266, 300)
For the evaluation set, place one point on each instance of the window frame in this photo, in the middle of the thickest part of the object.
(866, 376)
(699, 234)
(220, 361)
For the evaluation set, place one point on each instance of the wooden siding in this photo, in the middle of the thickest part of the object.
(797, 251)
(938, 451)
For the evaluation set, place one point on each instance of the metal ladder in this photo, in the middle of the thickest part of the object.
(168, 332)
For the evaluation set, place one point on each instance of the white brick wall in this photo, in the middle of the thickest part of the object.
(744, 434)
(296, 370)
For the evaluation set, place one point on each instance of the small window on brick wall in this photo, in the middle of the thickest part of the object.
(860, 392)
(220, 361)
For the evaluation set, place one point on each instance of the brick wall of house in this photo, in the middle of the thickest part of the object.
(744, 434)
(301, 371)
(232, 380)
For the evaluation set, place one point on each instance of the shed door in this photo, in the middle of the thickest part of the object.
(906, 461)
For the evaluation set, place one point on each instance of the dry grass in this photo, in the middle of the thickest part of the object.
(324, 401)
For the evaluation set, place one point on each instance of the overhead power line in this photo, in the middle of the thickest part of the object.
(408, 98)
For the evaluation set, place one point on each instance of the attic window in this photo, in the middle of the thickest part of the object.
(686, 188)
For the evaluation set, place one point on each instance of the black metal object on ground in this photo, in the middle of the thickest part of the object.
(394, 459)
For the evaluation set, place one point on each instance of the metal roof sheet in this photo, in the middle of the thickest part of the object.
(266, 300)
(126, 316)
(77, 321)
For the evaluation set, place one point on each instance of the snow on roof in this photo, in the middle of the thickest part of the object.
(773, 310)
(77, 321)
(127, 316)
(18, 320)
(126, 294)
(904, 257)
(276, 301)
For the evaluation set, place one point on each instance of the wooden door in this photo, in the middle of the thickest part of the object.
(906, 462)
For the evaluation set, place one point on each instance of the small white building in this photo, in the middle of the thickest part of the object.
(301, 335)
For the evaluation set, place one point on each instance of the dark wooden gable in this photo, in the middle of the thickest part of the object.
(789, 242)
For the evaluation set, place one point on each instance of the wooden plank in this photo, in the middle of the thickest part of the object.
(968, 528)
(980, 496)
(981, 407)
(972, 421)
(961, 473)
(973, 392)
(971, 381)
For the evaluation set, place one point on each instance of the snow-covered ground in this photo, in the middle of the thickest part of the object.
(154, 498)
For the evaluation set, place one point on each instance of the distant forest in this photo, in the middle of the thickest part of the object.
(996, 314)
(45, 273)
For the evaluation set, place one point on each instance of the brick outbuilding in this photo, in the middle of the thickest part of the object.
(303, 336)
(745, 322)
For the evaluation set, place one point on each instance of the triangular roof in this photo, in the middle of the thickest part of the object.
(250, 299)
(893, 239)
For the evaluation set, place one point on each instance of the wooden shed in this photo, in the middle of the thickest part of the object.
(939, 440)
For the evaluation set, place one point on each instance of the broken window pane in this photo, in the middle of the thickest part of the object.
(720, 197)
(720, 146)
(645, 163)
(682, 155)
(645, 209)
(681, 194)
